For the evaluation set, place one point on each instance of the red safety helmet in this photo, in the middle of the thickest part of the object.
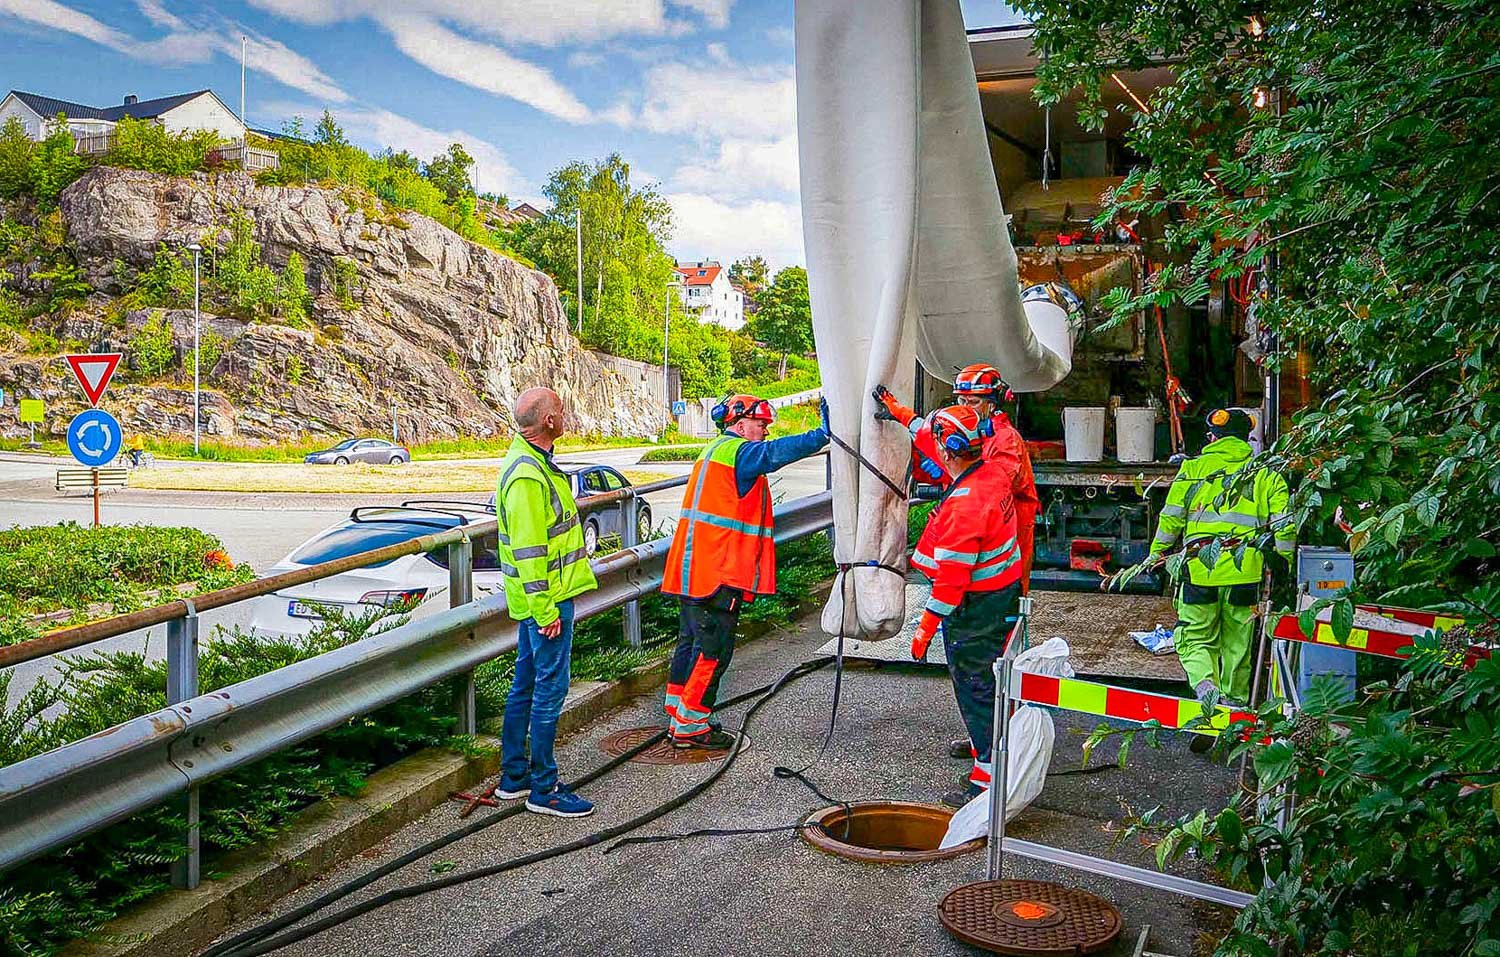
(742, 406)
(980, 379)
(957, 429)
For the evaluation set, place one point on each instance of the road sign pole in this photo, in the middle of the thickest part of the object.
(96, 496)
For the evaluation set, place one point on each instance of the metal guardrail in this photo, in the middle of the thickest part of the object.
(58, 797)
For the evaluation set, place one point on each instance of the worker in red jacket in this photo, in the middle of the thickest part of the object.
(969, 551)
(979, 387)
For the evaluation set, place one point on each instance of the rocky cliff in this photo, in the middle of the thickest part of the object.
(444, 331)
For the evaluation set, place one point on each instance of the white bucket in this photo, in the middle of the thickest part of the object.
(1135, 434)
(1083, 433)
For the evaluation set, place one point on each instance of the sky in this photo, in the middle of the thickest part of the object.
(697, 95)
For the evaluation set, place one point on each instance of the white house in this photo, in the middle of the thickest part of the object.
(706, 290)
(201, 110)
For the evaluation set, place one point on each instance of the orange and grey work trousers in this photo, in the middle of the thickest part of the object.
(705, 644)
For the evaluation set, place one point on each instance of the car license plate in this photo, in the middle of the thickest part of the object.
(301, 609)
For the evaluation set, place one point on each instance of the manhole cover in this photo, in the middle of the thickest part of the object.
(884, 832)
(1029, 918)
(661, 752)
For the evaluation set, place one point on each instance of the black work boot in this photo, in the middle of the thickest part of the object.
(714, 739)
(965, 792)
(961, 748)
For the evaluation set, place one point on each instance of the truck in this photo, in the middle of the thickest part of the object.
(1099, 514)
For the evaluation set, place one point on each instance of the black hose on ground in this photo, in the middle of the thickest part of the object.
(258, 940)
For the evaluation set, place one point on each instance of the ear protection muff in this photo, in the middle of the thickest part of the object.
(955, 443)
(720, 412)
(1219, 417)
(987, 427)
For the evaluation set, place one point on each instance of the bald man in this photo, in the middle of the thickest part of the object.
(544, 566)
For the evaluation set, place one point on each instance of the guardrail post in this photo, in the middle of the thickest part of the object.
(630, 518)
(461, 592)
(182, 685)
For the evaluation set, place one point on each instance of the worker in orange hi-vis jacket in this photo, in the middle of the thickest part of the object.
(969, 551)
(979, 387)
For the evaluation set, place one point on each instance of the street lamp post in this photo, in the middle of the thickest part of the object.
(197, 351)
(666, 341)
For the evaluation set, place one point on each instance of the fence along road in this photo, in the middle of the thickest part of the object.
(55, 798)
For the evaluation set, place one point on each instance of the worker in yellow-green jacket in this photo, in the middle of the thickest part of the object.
(1216, 603)
(544, 565)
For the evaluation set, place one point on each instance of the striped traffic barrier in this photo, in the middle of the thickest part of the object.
(1126, 704)
(1377, 629)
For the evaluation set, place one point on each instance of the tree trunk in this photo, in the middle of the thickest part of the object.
(781, 372)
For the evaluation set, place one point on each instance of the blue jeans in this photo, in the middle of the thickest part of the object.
(535, 700)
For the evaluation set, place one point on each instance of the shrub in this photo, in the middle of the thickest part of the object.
(51, 164)
(11, 313)
(345, 272)
(168, 281)
(143, 144)
(211, 348)
(295, 370)
(292, 300)
(66, 287)
(249, 284)
(151, 350)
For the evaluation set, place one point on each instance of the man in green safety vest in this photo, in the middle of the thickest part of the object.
(1216, 602)
(544, 565)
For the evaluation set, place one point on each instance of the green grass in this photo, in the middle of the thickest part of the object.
(68, 567)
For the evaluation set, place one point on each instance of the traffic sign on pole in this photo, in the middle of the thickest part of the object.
(94, 437)
(93, 371)
(32, 410)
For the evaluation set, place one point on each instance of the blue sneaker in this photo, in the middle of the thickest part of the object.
(559, 802)
(508, 790)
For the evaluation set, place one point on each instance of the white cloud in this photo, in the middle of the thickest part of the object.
(718, 99)
(584, 59)
(715, 12)
(539, 22)
(709, 228)
(483, 66)
(183, 44)
(743, 167)
(46, 13)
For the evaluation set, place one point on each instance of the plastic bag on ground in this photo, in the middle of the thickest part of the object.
(1032, 735)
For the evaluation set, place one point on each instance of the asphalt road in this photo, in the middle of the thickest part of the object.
(262, 529)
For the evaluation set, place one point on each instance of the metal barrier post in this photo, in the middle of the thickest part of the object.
(461, 592)
(182, 685)
(1000, 743)
(630, 517)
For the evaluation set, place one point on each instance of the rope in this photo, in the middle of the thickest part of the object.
(897, 490)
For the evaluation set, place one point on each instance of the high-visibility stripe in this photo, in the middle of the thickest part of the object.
(1108, 701)
(939, 607)
(1165, 537)
(981, 773)
(949, 555)
(558, 528)
(534, 588)
(719, 521)
(530, 551)
(990, 571)
(1173, 510)
(1381, 630)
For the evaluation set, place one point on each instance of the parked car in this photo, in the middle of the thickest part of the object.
(378, 451)
(418, 583)
(602, 521)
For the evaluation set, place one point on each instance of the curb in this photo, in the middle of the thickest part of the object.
(180, 923)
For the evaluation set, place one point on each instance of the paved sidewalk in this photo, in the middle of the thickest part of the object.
(771, 894)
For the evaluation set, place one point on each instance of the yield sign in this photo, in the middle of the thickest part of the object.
(93, 372)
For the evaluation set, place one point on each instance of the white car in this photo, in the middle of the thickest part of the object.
(417, 581)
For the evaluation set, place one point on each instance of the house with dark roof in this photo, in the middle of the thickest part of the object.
(199, 110)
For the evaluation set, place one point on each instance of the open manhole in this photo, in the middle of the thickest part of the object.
(662, 752)
(884, 832)
(1029, 918)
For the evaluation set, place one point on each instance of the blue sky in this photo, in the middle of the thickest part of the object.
(696, 94)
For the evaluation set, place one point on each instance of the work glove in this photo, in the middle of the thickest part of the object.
(882, 411)
(823, 414)
(930, 468)
(891, 410)
(926, 628)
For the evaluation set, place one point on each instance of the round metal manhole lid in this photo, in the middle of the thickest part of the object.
(1029, 918)
(884, 832)
(661, 753)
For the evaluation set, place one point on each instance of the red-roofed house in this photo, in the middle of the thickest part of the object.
(706, 290)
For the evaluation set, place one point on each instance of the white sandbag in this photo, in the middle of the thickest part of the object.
(908, 256)
(1032, 735)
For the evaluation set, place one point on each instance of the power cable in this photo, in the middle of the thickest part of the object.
(257, 941)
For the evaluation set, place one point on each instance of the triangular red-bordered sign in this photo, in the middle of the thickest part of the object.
(93, 372)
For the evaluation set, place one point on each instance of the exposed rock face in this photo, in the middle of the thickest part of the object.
(447, 332)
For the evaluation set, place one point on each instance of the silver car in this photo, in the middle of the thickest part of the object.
(378, 451)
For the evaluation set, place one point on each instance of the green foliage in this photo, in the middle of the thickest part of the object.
(151, 352)
(1375, 187)
(345, 272)
(70, 893)
(66, 287)
(168, 281)
(295, 370)
(39, 170)
(1394, 845)
(143, 144)
(49, 568)
(749, 274)
(784, 322)
(211, 348)
(625, 271)
(11, 313)
(452, 172)
(15, 159)
(292, 300)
